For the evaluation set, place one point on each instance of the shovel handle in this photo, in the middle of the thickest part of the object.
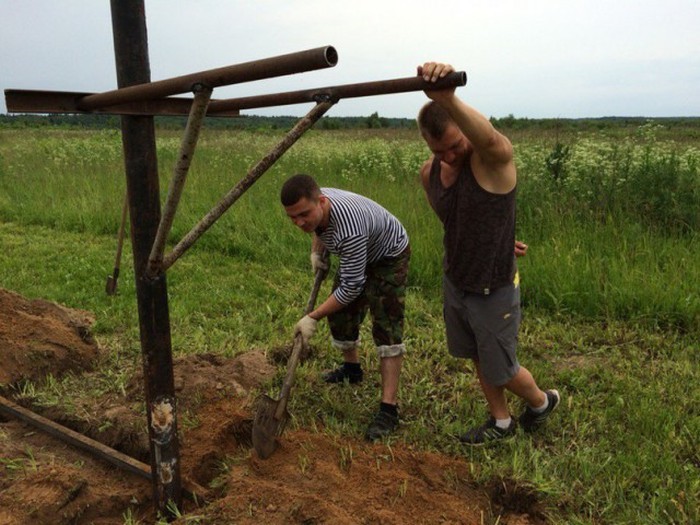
(120, 235)
(296, 349)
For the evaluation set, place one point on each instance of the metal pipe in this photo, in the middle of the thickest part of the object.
(100, 450)
(35, 101)
(141, 166)
(309, 60)
(27, 101)
(177, 183)
(253, 175)
(335, 93)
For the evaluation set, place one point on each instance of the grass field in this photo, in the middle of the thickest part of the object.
(610, 294)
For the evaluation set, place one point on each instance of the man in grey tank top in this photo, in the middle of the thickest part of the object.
(470, 183)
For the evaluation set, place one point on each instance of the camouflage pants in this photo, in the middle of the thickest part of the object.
(384, 295)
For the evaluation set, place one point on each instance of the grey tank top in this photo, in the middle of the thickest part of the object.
(479, 231)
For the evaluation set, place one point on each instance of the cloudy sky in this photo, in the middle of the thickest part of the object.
(529, 58)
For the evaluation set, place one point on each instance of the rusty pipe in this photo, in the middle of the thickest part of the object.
(311, 59)
(177, 183)
(257, 171)
(335, 93)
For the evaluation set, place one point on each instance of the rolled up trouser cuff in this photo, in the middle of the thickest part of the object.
(345, 345)
(391, 350)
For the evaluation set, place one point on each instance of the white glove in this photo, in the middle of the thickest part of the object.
(319, 261)
(306, 326)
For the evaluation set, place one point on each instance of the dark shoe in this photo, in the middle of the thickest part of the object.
(531, 420)
(487, 433)
(383, 425)
(342, 373)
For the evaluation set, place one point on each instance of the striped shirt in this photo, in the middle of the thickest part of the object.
(360, 232)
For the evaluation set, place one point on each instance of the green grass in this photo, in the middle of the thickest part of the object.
(611, 307)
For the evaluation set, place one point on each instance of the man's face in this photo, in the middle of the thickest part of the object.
(307, 214)
(451, 147)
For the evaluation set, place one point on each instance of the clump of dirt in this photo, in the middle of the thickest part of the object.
(312, 478)
(204, 374)
(39, 337)
(281, 354)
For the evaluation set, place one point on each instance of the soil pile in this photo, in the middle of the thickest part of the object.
(312, 478)
(39, 337)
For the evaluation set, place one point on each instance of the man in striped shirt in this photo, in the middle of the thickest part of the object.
(374, 252)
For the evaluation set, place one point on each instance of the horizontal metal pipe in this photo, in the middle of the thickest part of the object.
(36, 101)
(291, 63)
(32, 101)
(335, 93)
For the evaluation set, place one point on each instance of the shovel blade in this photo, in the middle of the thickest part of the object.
(266, 427)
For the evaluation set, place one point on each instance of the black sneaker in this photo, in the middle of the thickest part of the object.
(487, 433)
(383, 425)
(342, 373)
(531, 420)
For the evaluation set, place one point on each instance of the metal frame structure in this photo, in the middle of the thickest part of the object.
(138, 100)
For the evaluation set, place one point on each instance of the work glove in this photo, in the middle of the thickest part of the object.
(320, 262)
(306, 326)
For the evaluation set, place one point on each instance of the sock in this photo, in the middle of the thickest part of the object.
(389, 409)
(352, 367)
(542, 408)
(503, 423)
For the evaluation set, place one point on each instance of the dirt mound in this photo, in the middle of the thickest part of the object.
(39, 337)
(312, 478)
(206, 374)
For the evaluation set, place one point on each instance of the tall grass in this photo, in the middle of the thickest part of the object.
(612, 223)
(611, 310)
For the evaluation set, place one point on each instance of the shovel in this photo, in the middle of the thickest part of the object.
(111, 287)
(271, 416)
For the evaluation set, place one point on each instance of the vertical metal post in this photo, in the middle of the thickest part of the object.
(138, 138)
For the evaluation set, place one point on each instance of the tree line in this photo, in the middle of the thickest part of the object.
(373, 121)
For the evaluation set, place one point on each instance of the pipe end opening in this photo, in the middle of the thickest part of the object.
(331, 56)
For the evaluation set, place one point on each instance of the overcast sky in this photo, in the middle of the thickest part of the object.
(529, 58)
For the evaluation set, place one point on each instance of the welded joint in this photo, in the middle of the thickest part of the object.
(166, 471)
(162, 420)
(201, 87)
(324, 97)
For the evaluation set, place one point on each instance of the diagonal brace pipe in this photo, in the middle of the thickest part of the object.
(244, 184)
(202, 96)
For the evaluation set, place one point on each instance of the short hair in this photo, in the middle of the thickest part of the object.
(298, 187)
(433, 119)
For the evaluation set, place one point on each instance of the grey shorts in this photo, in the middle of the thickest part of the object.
(484, 328)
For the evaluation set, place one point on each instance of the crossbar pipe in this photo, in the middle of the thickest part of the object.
(66, 102)
(28, 101)
(244, 184)
(299, 62)
(335, 93)
(177, 183)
